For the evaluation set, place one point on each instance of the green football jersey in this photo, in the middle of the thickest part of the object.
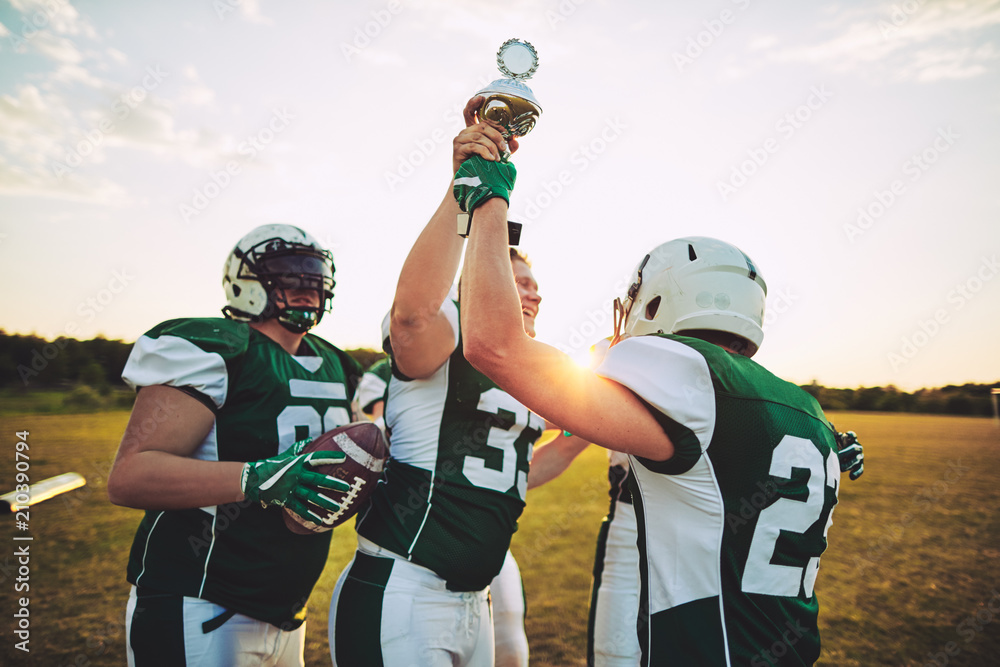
(374, 384)
(732, 527)
(239, 555)
(454, 486)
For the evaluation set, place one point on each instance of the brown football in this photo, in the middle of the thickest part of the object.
(366, 452)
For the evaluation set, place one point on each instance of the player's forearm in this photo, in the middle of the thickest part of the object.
(492, 325)
(551, 460)
(154, 480)
(429, 269)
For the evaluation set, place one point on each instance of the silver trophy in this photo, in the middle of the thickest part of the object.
(508, 103)
(510, 106)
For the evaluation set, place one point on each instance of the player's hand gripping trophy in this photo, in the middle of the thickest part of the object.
(510, 106)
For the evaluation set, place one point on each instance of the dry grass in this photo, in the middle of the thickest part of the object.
(913, 551)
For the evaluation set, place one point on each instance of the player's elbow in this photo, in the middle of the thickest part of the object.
(121, 491)
(488, 356)
(406, 320)
(117, 493)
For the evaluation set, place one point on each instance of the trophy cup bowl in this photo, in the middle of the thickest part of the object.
(508, 103)
(510, 106)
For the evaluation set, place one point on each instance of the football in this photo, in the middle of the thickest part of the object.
(366, 452)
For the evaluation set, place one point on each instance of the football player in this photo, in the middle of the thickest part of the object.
(439, 525)
(507, 588)
(210, 452)
(709, 433)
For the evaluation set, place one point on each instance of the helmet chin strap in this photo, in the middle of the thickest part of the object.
(619, 315)
(297, 319)
(621, 311)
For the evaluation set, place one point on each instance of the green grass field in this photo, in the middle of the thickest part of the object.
(912, 572)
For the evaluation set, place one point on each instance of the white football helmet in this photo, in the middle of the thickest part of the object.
(694, 283)
(268, 261)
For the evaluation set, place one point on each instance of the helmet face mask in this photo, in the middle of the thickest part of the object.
(695, 284)
(269, 262)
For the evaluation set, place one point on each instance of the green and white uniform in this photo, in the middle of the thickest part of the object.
(732, 527)
(455, 484)
(448, 504)
(374, 385)
(239, 556)
(614, 595)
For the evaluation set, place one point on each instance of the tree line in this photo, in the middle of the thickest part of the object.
(28, 362)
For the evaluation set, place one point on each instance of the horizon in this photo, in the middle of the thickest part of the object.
(995, 384)
(847, 147)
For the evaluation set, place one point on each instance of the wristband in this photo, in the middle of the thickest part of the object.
(513, 228)
(243, 478)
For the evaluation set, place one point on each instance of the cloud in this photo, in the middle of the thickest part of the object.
(19, 181)
(31, 125)
(195, 92)
(929, 43)
(44, 27)
(53, 47)
(54, 136)
(936, 64)
(116, 55)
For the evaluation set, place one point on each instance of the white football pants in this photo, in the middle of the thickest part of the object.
(615, 599)
(507, 594)
(168, 630)
(388, 611)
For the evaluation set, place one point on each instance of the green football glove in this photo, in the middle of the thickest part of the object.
(479, 180)
(851, 454)
(287, 480)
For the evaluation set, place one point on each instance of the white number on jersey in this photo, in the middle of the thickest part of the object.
(308, 417)
(474, 468)
(761, 575)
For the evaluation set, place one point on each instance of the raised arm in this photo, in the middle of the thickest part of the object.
(421, 336)
(596, 409)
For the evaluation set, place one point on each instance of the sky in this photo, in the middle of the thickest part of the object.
(849, 148)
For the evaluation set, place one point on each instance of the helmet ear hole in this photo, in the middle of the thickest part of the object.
(652, 307)
(236, 290)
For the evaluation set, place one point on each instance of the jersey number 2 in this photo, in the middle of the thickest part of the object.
(760, 574)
